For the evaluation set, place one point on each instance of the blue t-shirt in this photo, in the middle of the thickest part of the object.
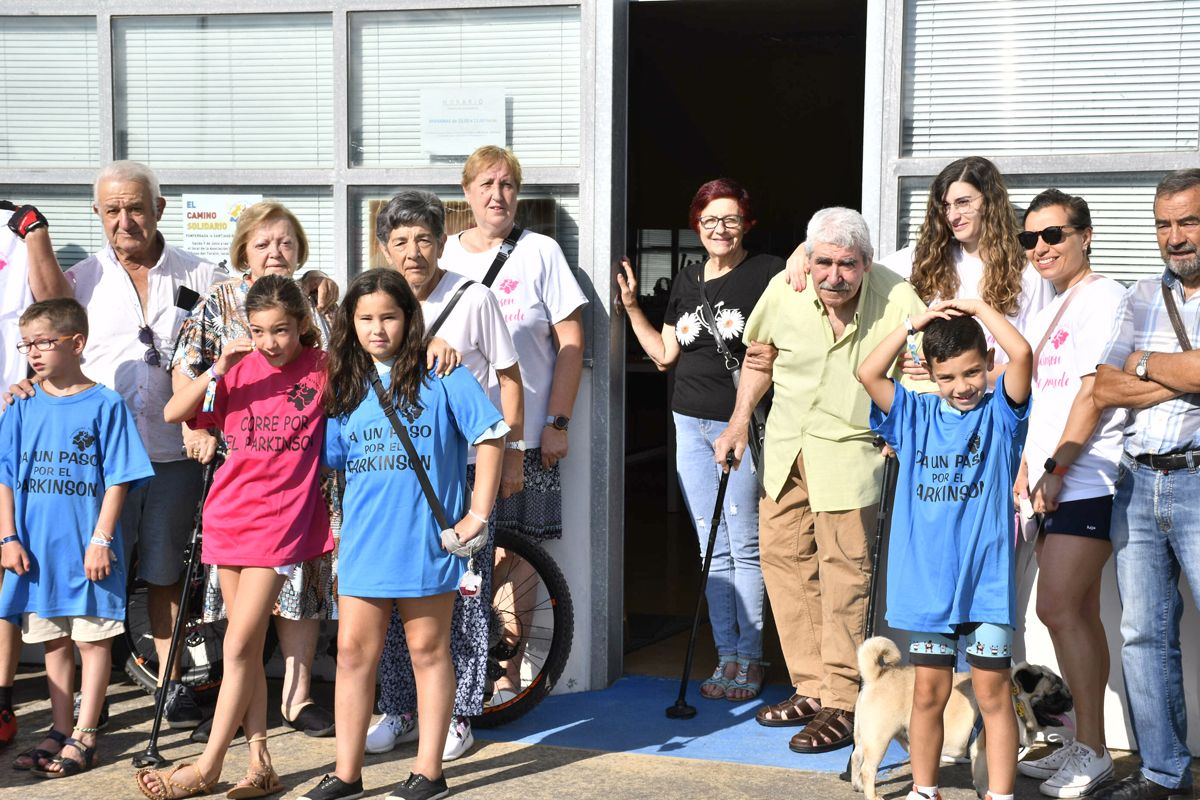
(950, 555)
(390, 542)
(59, 455)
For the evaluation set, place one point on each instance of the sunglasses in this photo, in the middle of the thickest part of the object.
(1052, 235)
(146, 337)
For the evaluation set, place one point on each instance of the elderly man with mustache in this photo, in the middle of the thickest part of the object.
(821, 471)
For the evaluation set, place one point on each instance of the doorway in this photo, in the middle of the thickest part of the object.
(769, 93)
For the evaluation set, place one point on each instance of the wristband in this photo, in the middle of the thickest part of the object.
(101, 541)
(9, 540)
(210, 393)
(911, 341)
(471, 513)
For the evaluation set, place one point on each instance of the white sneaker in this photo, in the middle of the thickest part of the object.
(390, 730)
(459, 739)
(1081, 774)
(1046, 766)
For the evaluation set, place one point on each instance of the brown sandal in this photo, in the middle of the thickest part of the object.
(167, 785)
(796, 710)
(261, 781)
(830, 729)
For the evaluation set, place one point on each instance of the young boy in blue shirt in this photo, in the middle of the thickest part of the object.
(67, 458)
(952, 522)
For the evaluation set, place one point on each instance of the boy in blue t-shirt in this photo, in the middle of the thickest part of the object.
(952, 536)
(67, 458)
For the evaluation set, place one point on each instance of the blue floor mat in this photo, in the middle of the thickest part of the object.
(629, 717)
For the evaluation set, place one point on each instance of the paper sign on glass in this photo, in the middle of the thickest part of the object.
(209, 221)
(457, 121)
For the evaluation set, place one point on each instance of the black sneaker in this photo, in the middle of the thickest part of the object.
(103, 723)
(1138, 787)
(418, 787)
(332, 787)
(182, 710)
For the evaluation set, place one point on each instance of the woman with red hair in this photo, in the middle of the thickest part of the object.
(710, 300)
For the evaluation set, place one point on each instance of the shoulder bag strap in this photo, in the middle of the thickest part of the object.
(414, 460)
(1176, 322)
(731, 362)
(506, 249)
(1075, 290)
(437, 323)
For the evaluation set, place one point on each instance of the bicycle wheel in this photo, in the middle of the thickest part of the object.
(531, 629)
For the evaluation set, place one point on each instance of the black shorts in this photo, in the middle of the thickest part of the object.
(1089, 518)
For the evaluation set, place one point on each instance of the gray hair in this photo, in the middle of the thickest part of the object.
(840, 227)
(1178, 181)
(411, 207)
(127, 171)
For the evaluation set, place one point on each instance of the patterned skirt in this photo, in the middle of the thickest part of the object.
(535, 511)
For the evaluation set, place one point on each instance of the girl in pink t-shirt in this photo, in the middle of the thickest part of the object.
(264, 512)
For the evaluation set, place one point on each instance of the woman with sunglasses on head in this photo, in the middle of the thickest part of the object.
(732, 280)
(1068, 472)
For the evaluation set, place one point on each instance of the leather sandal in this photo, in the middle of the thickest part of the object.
(170, 789)
(796, 710)
(68, 766)
(741, 681)
(260, 781)
(831, 729)
(32, 758)
(717, 682)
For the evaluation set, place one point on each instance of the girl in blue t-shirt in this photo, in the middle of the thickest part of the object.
(391, 549)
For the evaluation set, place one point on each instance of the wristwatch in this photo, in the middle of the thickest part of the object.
(1051, 466)
(519, 444)
(1140, 369)
(560, 422)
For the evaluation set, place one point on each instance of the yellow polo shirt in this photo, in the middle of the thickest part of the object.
(820, 408)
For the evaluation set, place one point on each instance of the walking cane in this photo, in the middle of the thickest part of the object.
(150, 757)
(681, 710)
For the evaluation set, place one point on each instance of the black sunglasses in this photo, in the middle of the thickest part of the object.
(146, 337)
(1052, 235)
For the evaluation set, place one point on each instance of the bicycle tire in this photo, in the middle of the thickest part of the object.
(542, 653)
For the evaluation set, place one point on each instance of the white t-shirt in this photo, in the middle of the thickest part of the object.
(1073, 350)
(536, 290)
(15, 297)
(1036, 291)
(475, 328)
(114, 355)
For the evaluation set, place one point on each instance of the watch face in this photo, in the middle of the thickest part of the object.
(561, 423)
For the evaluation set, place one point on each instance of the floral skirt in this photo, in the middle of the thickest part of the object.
(535, 511)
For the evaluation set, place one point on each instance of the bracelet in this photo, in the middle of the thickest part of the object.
(9, 539)
(100, 540)
(82, 729)
(210, 392)
(471, 513)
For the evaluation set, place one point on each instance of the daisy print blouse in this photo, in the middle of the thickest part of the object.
(703, 385)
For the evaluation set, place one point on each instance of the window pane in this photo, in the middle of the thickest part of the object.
(74, 229)
(549, 210)
(233, 90)
(48, 93)
(530, 54)
(1124, 245)
(1050, 76)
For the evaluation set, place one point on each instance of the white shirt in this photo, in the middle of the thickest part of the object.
(1073, 350)
(1036, 291)
(15, 297)
(536, 290)
(115, 357)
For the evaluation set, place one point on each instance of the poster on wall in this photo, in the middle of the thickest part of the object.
(209, 221)
(455, 121)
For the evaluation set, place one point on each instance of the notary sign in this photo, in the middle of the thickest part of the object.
(209, 221)
(456, 121)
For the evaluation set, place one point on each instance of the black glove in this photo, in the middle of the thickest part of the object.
(24, 219)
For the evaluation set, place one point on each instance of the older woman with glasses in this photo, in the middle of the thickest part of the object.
(710, 300)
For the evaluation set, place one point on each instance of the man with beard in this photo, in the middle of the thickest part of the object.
(1151, 370)
(821, 473)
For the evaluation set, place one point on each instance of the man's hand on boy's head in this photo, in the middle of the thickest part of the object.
(21, 390)
(14, 557)
(97, 562)
(962, 305)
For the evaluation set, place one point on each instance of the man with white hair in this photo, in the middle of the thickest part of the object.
(815, 523)
(130, 290)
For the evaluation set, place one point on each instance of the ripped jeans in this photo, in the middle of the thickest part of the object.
(735, 582)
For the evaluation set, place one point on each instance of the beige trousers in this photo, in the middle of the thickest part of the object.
(817, 570)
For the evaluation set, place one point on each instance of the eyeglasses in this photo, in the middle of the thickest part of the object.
(733, 222)
(963, 205)
(42, 344)
(1052, 235)
(146, 337)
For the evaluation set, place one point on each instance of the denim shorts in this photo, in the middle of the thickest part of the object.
(987, 645)
(157, 518)
(1090, 518)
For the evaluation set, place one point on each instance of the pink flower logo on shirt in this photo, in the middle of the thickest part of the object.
(508, 285)
(1059, 338)
(3, 263)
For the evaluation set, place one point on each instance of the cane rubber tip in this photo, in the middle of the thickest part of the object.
(681, 711)
(149, 760)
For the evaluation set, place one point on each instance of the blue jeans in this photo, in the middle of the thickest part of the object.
(1155, 534)
(735, 582)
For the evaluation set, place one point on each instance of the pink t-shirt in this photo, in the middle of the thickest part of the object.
(265, 507)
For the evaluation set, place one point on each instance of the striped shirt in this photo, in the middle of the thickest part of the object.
(1143, 323)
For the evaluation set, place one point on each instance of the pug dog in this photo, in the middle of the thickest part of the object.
(1040, 699)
